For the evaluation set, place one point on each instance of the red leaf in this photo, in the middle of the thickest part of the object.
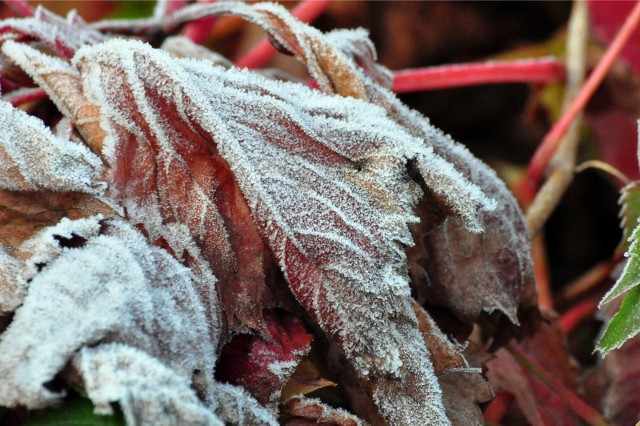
(607, 18)
(263, 365)
(538, 403)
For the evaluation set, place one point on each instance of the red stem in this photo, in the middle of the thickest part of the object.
(20, 7)
(198, 31)
(6, 85)
(28, 96)
(543, 70)
(306, 11)
(578, 313)
(574, 403)
(498, 407)
(550, 143)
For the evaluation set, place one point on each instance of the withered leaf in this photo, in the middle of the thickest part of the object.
(146, 390)
(24, 213)
(324, 179)
(166, 170)
(303, 411)
(150, 393)
(305, 379)
(445, 356)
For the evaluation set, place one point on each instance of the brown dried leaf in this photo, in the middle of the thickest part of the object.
(24, 213)
(306, 379)
(464, 390)
(303, 411)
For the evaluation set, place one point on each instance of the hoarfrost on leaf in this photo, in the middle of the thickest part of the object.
(32, 158)
(150, 393)
(113, 287)
(325, 180)
(63, 36)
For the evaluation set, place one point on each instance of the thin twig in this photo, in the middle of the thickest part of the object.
(586, 282)
(21, 7)
(564, 159)
(576, 314)
(306, 11)
(574, 403)
(498, 407)
(199, 30)
(21, 96)
(605, 167)
(541, 70)
(551, 141)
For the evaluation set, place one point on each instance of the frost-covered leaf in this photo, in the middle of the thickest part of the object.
(263, 366)
(147, 392)
(12, 290)
(63, 36)
(183, 47)
(166, 170)
(62, 84)
(22, 215)
(469, 273)
(109, 285)
(32, 158)
(325, 180)
(303, 411)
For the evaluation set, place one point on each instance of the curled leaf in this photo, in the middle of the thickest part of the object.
(112, 285)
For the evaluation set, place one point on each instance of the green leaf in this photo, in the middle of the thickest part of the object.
(77, 412)
(629, 212)
(624, 325)
(630, 276)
